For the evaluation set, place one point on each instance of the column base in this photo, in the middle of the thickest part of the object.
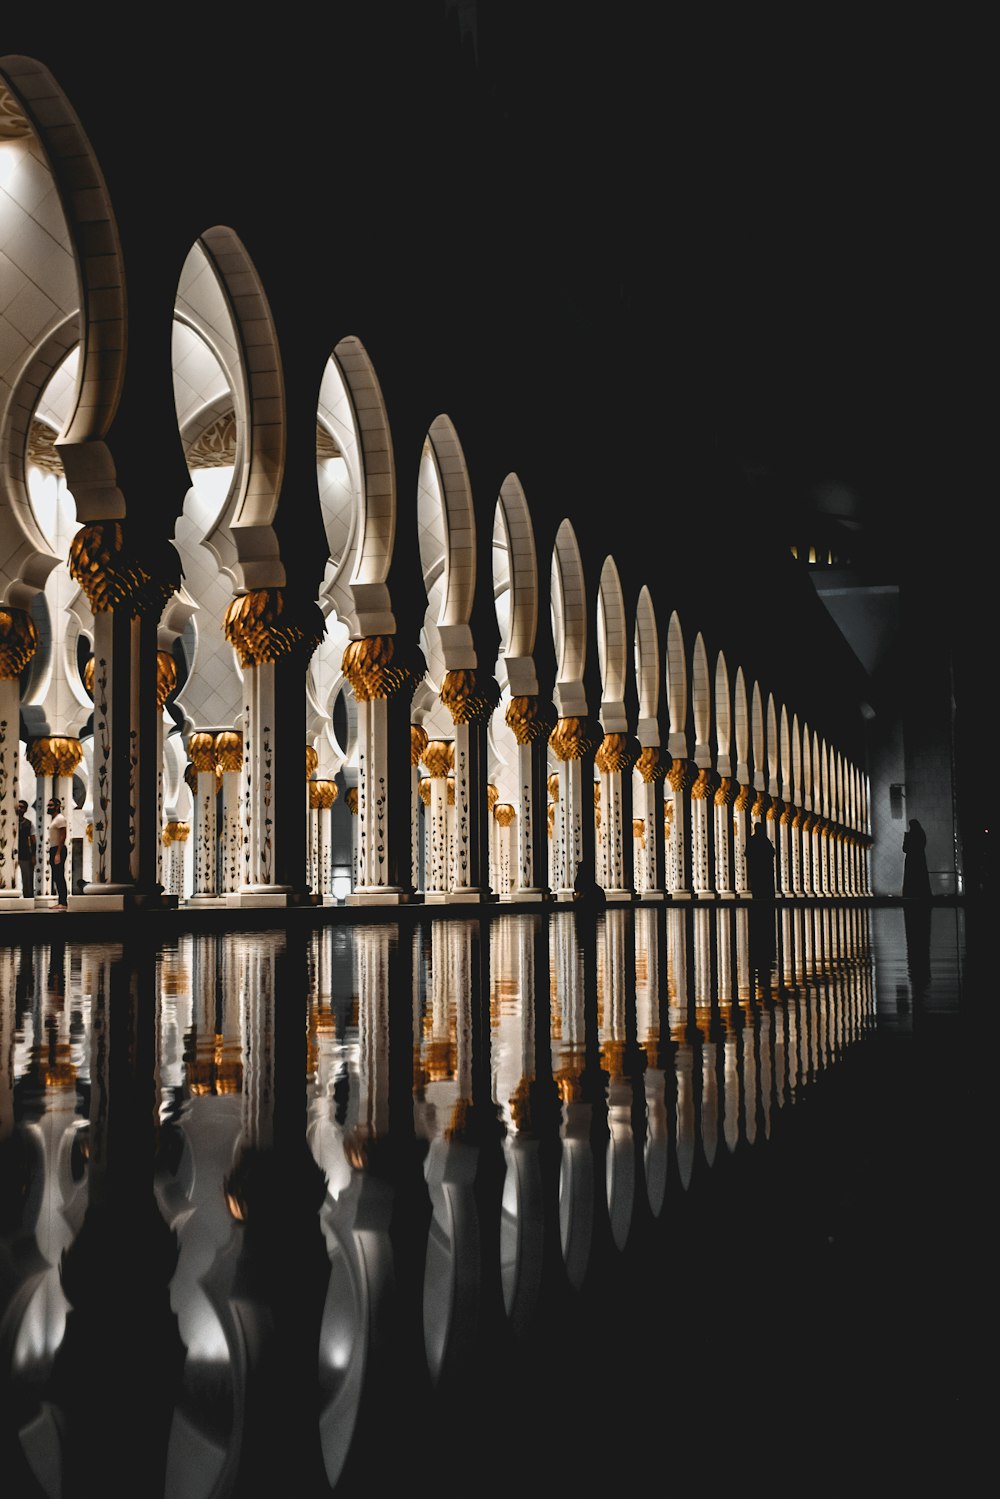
(378, 895)
(12, 904)
(530, 893)
(619, 897)
(122, 898)
(435, 897)
(469, 897)
(252, 897)
(726, 894)
(680, 895)
(647, 896)
(705, 895)
(206, 900)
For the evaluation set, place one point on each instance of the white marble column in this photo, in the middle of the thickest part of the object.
(702, 804)
(505, 822)
(437, 760)
(201, 749)
(679, 777)
(721, 805)
(229, 761)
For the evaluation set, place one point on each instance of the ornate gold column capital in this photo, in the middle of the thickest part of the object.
(229, 750)
(775, 808)
(492, 793)
(761, 803)
(375, 668)
(450, 781)
(201, 751)
(18, 641)
(553, 786)
(597, 793)
(572, 738)
(650, 764)
(262, 626)
(788, 813)
(744, 798)
(504, 814)
(312, 788)
(639, 830)
(551, 817)
(704, 786)
(418, 742)
(725, 791)
(680, 774)
(312, 760)
(468, 698)
(112, 575)
(327, 791)
(615, 752)
(438, 757)
(529, 719)
(424, 790)
(176, 831)
(54, 755)
(166, 676)
(351, 798)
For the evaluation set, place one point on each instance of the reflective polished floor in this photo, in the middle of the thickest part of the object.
(515, 1204)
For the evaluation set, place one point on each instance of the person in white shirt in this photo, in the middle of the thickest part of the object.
(58, 849)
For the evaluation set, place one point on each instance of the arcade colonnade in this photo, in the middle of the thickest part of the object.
(459, 708)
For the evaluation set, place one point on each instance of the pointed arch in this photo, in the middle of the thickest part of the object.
(741, 727)
(569, 617)
(647, 668)
(677, 694)
(723, 718)
(515, 574)
(701, 699)
(796, 761)
(773, 783)
(612, 648)
(757, 738)
(784, 756)
(457, 571)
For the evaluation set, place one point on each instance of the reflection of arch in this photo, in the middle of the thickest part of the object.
(677, 700)
(612, 649)
(569, 610)
(260, 406)
(723, 717)
(513, 531)
(701, 692)
(647, 668)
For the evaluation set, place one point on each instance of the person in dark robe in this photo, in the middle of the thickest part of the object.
(916, 881)
(760, 878)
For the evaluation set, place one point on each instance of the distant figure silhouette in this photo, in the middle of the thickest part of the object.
(760, 865)
(916, 881)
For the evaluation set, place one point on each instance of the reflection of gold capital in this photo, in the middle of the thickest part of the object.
(418, 742)
(351, 798)
(527, 720)
(438, 756)
(504, 814)
(54, 755)
(262, 627)
(312, 760)
(424, 790)
(572, 739)
(229, 750)
(467, 698)
(650, 764)
(374, 667)
(18, 641)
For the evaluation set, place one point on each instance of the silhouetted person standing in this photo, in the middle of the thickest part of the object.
(760, 865)
(26, 845)
(58, 849)
(916, 881)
